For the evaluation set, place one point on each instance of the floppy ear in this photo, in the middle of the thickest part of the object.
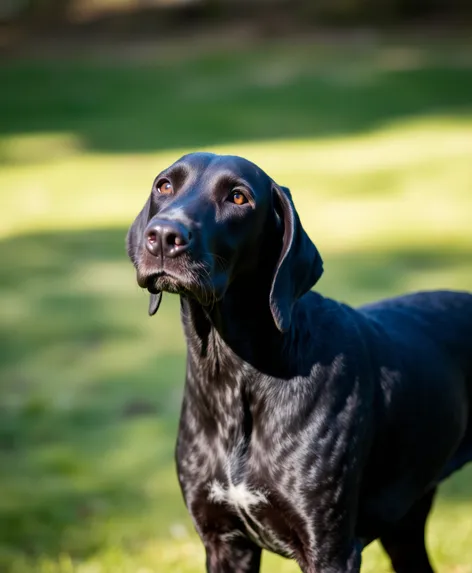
(134, 240)
(299, 266)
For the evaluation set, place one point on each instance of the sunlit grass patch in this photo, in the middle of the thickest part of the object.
(391, 186)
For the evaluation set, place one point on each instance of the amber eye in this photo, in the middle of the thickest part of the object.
(238, 198)
(165, 188)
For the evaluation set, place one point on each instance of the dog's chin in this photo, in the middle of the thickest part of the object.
(167, 283)
(182, 285)
(161, 282)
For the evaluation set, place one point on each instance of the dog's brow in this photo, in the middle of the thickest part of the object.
(178, 173)
(230, 180)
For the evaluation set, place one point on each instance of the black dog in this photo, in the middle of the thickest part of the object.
(308, 428)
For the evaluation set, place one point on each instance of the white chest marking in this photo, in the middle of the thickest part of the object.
(244, 501)
(239, 496)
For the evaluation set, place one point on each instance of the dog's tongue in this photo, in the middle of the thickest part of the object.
(154, 302)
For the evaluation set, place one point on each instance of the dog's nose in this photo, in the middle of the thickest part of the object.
(169, 237)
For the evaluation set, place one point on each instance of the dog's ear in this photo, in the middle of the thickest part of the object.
(299, 266)
(134, 240)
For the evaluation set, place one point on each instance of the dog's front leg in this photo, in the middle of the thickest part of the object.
(236, 555)
(324, 561)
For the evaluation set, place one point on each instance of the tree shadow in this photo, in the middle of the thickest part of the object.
(255, 93)
(91, 388)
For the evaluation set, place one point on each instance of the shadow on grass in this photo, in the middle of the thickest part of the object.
(91, 389)
(253, 94)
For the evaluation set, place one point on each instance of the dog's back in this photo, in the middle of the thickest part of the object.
(445, 316)
(433, 332)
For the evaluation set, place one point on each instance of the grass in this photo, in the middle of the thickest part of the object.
(375, 143)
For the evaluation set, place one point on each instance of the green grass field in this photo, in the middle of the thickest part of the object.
(375, 142)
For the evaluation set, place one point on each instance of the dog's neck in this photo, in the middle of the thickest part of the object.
(237, 329)
(227, 346)
(228, 349)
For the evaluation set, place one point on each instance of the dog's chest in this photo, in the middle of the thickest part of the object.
(253, 500)
(224, 464)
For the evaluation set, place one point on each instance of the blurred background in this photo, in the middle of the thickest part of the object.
(362, 108)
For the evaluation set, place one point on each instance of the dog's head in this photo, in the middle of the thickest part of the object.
(212, 219)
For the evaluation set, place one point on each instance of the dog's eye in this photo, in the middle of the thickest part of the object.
(238, 198)
(165, 188)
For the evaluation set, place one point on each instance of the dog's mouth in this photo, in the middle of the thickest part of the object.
(192, 283)
(162, 281)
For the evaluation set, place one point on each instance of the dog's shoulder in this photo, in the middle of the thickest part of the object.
(330, 332)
